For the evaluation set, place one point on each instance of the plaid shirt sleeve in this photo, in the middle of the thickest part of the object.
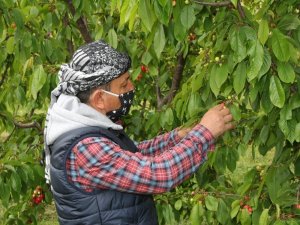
(98, 163)
(159, 144)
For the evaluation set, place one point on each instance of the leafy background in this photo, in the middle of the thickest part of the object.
(195, 54)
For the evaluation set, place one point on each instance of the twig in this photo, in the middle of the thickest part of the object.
(143, 108)
(158, 93)
(33, 124)
(240, 9)
(214, 4)
(70, 46)
(175, 82)
(82, 26)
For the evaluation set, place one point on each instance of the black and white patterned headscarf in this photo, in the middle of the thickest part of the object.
(92, 65)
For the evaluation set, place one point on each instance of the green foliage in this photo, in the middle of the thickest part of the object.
(247, 57)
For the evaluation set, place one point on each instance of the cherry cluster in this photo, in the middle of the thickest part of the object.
(144, 69)
(246, 206)
(38, 196)
(192, 37)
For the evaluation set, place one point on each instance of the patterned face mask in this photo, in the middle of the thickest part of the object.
(126, 102)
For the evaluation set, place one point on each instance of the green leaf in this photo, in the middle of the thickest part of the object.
(34, 11)
(256, 60)
(289, 22)
(187, 16)
(237, 43)
(23, 174)
(286, 72)
(163, 12)
(146, 58)
(125, 13)
(221, 74)
(239, 77)
(197, 81)
(5, 194)
(212, 81)
(263, 219)
(286, 112)
(249, 32)
(113, 6)
(48, 22)
(297, 132)
(236, 112)
(15, 182)
(276, 92)
(18, 18)
(146, 13)
(248, 179)
(211, 203)
(223, 213)
(163, 2)
(220, 161)
(112, 38)
(194, 104)
(235, 208)
(167, 118)
(266, 64)
(265, 102)
(10, 45)
(288, 128)
(277, 181)
(234, 2)
(39, 78)
(159, 41)
(263, 31)
(264, 134)
(178, 204)
(245, 217)
(132, 17)
(168, 214)
(280, 46)
(195, 216)
(179, 30)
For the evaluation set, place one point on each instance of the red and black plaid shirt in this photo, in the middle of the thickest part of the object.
(161, 164)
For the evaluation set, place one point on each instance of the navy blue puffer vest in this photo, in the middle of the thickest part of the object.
(100, 207)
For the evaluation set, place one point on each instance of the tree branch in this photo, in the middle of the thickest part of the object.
(82, 26)
(33, 124)
(158, 94)
(70, 46)
(175, 82)
(214, 4)
(240, 9)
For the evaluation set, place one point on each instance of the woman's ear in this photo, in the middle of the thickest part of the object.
(96, 100)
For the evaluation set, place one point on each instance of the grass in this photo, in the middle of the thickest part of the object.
(50, 216)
